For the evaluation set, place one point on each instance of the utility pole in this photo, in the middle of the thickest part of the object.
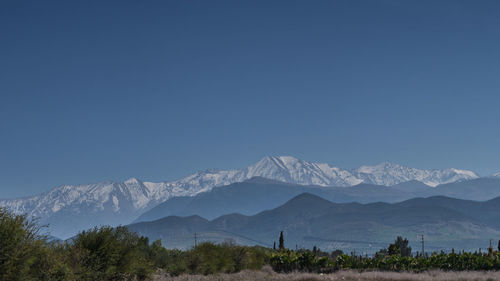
(423, 251)
(195, 240)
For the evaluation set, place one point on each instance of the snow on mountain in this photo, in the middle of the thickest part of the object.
(390, 174)
(293, 170)
(496, 175)
(71, 208)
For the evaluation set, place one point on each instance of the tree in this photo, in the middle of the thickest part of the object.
(25, 253)
(400, 247)
(282, 242)
(336, 253)
(108, 253)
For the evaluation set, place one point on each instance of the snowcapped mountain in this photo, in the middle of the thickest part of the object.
(68, 209)
(496, 175)
(71, 208)
(292, 170)
(390, 174)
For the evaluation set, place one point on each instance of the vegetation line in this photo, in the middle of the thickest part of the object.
(114, 254)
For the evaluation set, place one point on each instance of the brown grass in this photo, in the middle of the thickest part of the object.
(268, 275)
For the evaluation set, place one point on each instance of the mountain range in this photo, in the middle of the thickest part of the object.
(308, 220)
(71, 208)
(258, 194)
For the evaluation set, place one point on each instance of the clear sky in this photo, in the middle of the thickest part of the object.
(107, 90)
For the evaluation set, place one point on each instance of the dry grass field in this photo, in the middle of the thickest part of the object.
(269, 275)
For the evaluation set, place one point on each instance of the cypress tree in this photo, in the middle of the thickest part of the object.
(282, 242)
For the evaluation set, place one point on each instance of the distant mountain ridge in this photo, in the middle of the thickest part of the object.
(258, 194)
(70, 208)
(308, 220)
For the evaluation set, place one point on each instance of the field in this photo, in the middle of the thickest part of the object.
(268, 275)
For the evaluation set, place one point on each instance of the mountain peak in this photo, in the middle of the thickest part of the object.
(293, 170)
(464, 172)
(306, 196)
(132, 181)
(306, 202)
(279, 161)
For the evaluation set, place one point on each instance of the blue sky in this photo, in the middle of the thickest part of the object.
(93, 91)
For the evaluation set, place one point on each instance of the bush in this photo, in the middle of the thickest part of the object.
(25, 254)
(209, 258)
(108, 253)
(304, 261)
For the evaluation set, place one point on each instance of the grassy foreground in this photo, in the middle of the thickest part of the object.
(268, 275)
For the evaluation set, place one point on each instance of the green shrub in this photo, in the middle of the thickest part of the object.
(25, 253)
(108, 253)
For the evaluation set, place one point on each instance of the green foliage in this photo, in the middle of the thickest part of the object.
(25, 254)
(112, 254)
(336, 253)
(108, 253)
(400, 247)
(396, 258)
(294, 261)
(452, 261)
(208, 258)
(306, 261)
(99, 254)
